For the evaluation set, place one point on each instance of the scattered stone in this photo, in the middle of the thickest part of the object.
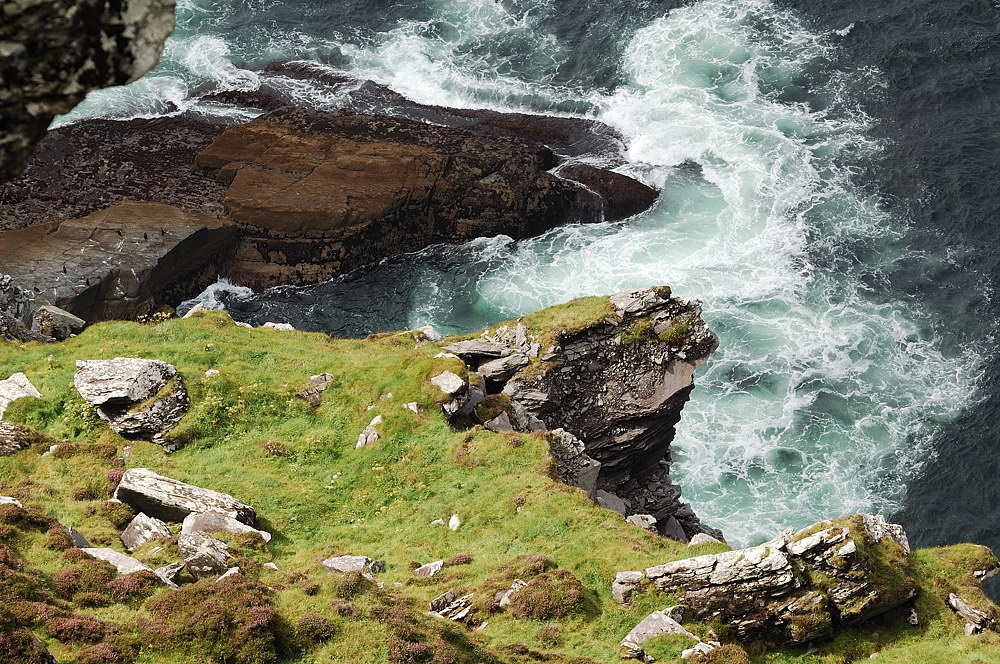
(137, 397)
(437, 522)
(270, 566)
(211, 372)
(625, 585)
(644, 521)
(702, 538)
(369, 436)
(673, 529)
(124, 564)
(143, 529)
(454, 522)
(79, 540)
(7, 500)
(449, 383)
(503, 597)
(345, 564)
(16, 387)
(57, 323)
(442, 601)
(412, 406)
(913, 617)
(573, 465)
(284, 327)
(313, 395)
(198, 308)
(879, 528)
(460, 610)
(203, 556)
(170, 500)
(656, 624)
(699, 649)
(170, 573)
(500, 423)
(429, 332)
(14, 438)
(230, 573)
(213, 522)
(976, 621)
(429, 570)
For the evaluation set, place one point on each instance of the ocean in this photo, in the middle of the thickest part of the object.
(829, 192)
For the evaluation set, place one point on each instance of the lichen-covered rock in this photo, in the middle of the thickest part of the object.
(143, 529)
(214, 522)
(137, 397)
(794, 588)
(57, 323)
(55, 52)
(14, 438)
(204, 556)
(345, 564)
(658, 623)
(16, 387)
(124, 564)
(170, 500)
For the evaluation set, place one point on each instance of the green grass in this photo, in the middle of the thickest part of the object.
(247, 434)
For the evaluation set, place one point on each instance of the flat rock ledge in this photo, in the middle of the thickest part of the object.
(609, 395)
(170, 500)
(794, 588)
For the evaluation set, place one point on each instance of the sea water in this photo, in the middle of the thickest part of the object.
(827, 193)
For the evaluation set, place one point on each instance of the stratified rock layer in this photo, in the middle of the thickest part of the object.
(170, 500)
(117, 263)
(316, 194)
(53, 53)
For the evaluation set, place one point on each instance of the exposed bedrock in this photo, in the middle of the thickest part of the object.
(53, 53)
(120, 262)
(616, 386)
(316, 194)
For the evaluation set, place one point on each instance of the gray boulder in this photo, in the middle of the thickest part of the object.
(213, 522)
(170, 500)
(625, 585)
(57, 323)
(429, 570)
(143, 529)
(204, 556)
(16, 387)
(138, 397)
(124, 564)
(318, 384)
(345, 564)
(657, 623)
(473, 349)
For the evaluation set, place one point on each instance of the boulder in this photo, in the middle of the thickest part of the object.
(769, 592)
(429, 570)
(501, 369)
(79, 540)
(124, 564)
(17, 386)
(214, 522)
(345, 564)
(313, 395)
(573, 465)
(14, 438)
(625, 585)
(658, 623)
(621, 196)
(143, 529)
(57, 323)
(702, 538)
(204, 556)
(503, 597)
(644, 521)
(477, 349)
(316, 194)
(7, 500)
(170, 500)
(370, 435)
(138, 398)
(170, 573)
(56, 52)
(442, 601)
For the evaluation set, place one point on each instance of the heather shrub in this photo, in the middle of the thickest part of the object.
(134, 586)
(727, 654)
(548, 635)
(119, 514)
(233, 622)
(77, 629)
(345, 609)
(315, 628)
(404, 652)
(549, 595)
(17, 644)
(58, 538)
(350, 584)
(114, 478)
(90, 600)
(460, 559)
(87, 576)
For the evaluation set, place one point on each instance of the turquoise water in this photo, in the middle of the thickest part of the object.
(831, 383)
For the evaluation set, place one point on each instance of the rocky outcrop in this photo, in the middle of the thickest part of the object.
(213, 522)
(204, 556)
(573, 465)
(143, 529)
(617, 385)
(138, 398)
(14, 438)
(54, 53)
(121, 262)
(316, 194)
(794, 588)
(170, 500)
(17, 386)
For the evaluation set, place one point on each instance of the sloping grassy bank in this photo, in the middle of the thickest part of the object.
(248, 435)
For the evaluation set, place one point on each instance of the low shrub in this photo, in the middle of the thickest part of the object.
(345, 609)
(350, 585)
(231, 622)
(119, 514)
(58, 538)
(549, 595)
(77, 629)
(133, 587)
(548, 635)
(315, 628)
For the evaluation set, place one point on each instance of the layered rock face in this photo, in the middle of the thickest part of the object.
(53, 53)
(315, 196)
(796, 587)
(613, 390)
(117, 263)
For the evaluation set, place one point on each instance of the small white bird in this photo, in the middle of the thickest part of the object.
(454, 522)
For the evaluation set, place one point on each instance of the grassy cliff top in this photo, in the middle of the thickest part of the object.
(248, 435)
